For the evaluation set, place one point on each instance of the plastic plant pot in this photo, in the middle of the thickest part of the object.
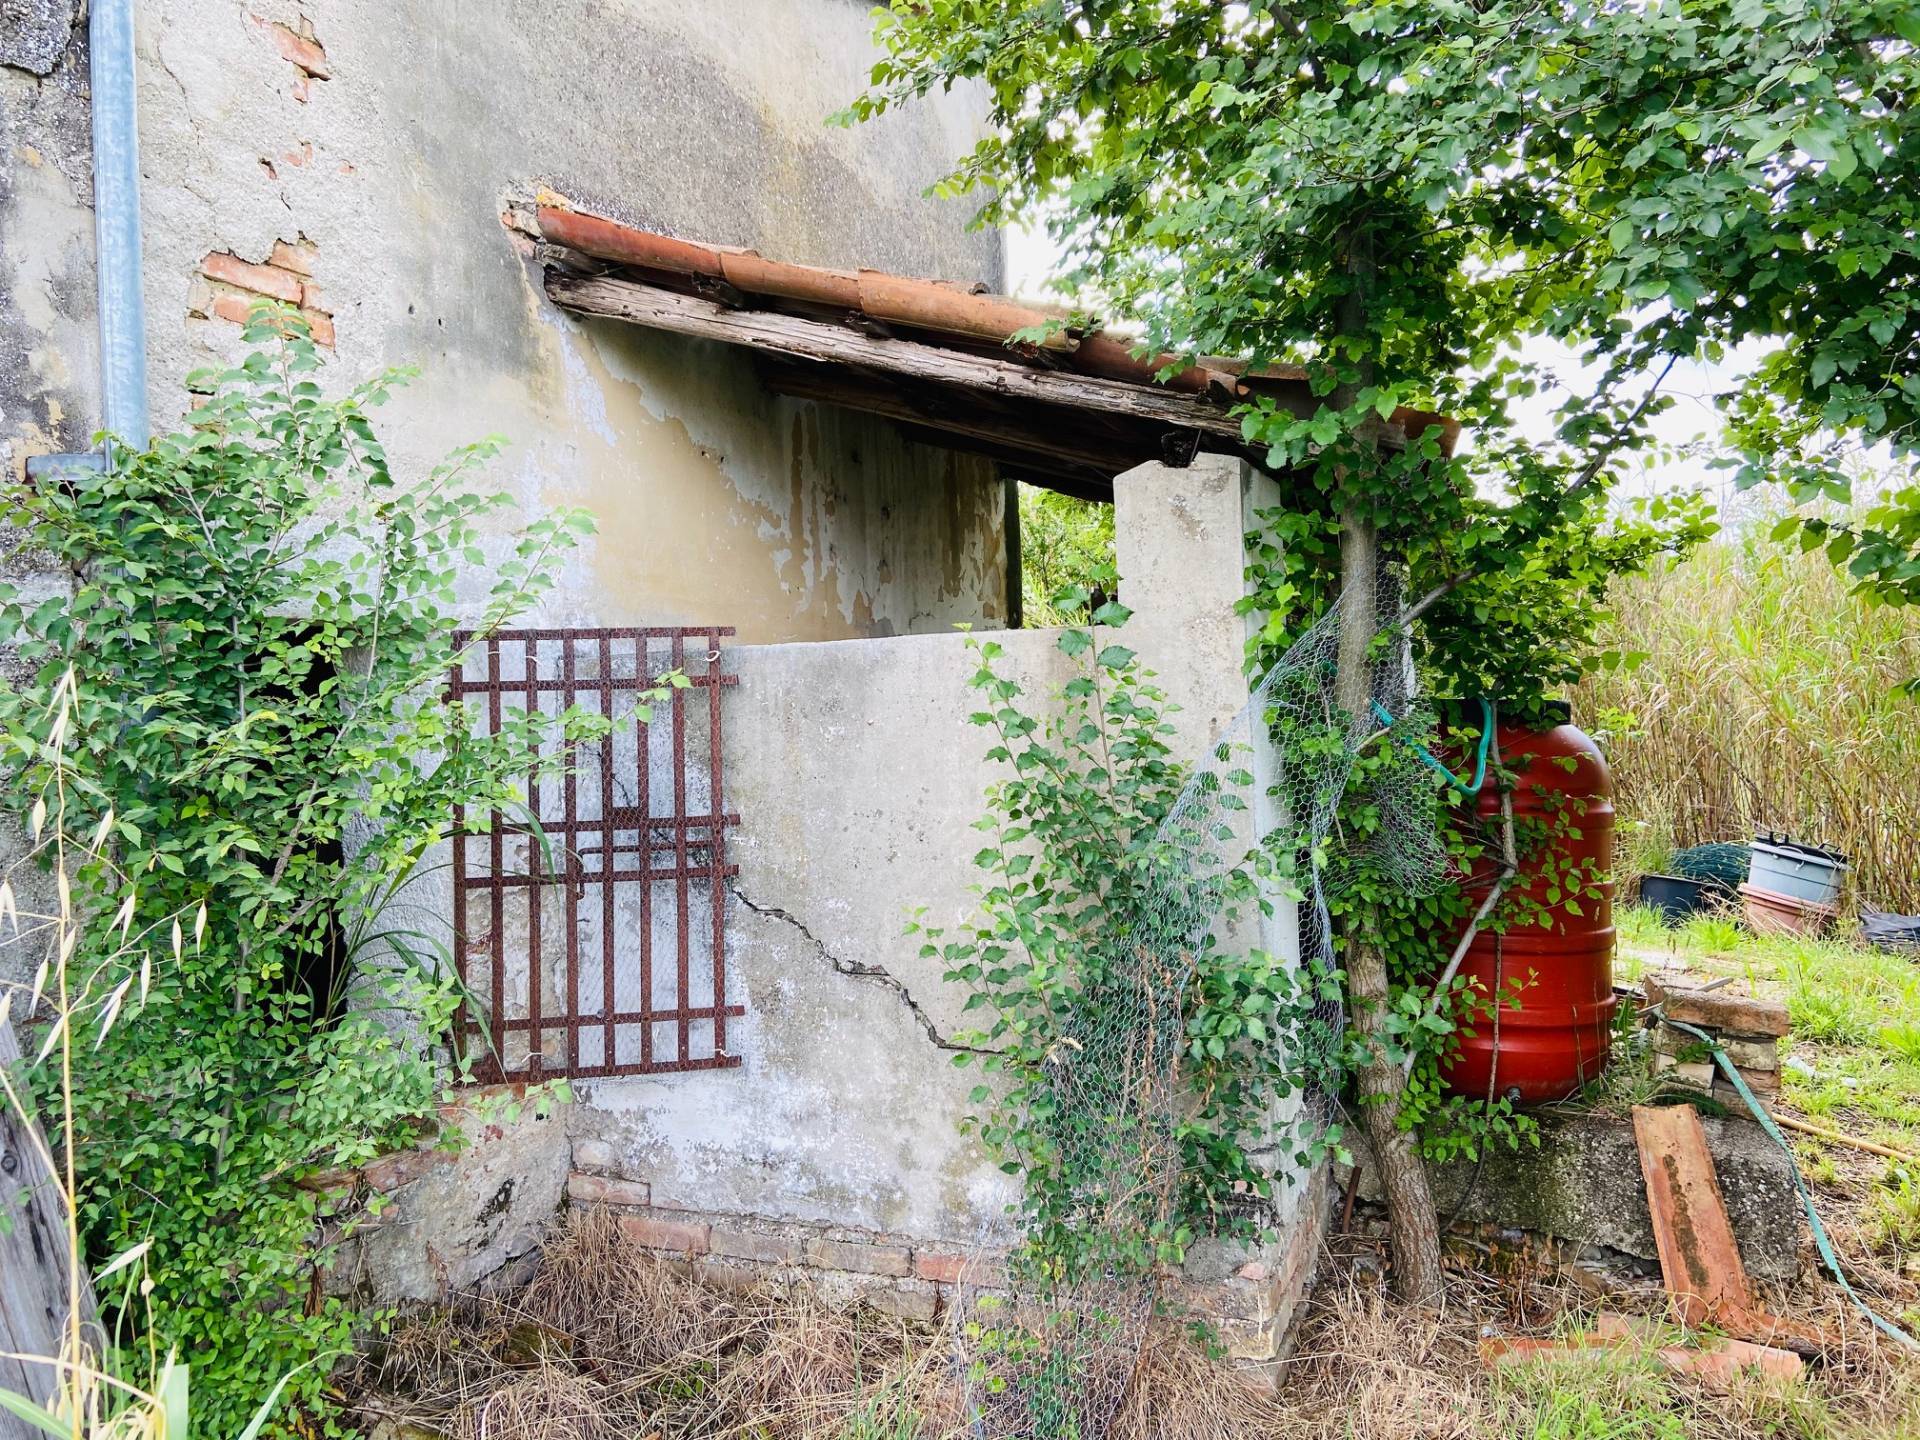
(1676, 897)
(1806, 873)
(1770, 913)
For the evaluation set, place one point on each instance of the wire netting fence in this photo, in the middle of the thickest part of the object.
(1262, 828)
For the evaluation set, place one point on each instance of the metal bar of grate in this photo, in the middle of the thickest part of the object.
(638, 818)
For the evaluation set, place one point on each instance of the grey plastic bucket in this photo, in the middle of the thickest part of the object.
(1799, 871)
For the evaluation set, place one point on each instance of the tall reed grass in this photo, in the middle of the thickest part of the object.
(1768, 699)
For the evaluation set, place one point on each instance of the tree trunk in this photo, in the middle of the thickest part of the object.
(1413, 1223)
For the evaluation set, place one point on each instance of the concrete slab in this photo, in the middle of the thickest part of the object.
(1583, 1184)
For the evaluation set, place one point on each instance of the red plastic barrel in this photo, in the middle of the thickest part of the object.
(1561, 973)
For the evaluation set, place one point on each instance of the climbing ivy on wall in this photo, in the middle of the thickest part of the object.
(258, 630)
(1075, 877)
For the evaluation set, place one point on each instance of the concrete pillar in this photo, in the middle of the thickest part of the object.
(1180, 544)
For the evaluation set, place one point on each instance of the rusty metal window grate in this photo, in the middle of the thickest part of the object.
(606, 955)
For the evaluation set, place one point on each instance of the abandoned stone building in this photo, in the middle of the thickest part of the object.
(625, 239)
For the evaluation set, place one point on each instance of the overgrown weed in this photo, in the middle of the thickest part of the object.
(1768, 698)
(610, 1343)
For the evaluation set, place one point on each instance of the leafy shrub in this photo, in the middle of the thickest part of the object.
(1074, 897)
(260, 624)
(1066, 547)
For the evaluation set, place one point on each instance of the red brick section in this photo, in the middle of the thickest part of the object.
(585, 1189)
(755, 1245)
(260, 279)
(229, 306)
(320, 327)
(858, 1257)
(687, 1237)
(297, 257)
(1252, 1306)
(301, 50)
(940, 1267)
(285, 275)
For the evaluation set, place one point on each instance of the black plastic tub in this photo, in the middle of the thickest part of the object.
(1676, 897)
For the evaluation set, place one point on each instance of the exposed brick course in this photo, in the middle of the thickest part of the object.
(688, 1236)
(768, 1249)
(260, 279)
(858, 1258)
(297, 257)
(237, 284)
(321, 327)
(1252, 1300)
(583, 1189)
(935, 1265)
(231, 305)
(389, 1172)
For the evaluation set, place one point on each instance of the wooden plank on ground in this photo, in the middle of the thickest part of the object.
(33, 1260)
(1699, 1257)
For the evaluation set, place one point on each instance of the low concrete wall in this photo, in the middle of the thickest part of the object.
(858, 777)
(1582, 1185)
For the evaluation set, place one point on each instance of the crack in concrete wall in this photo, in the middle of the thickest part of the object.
(859, 970)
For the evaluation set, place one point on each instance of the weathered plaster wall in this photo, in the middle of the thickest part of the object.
(48, 369)
(857, 777)
(373, 144)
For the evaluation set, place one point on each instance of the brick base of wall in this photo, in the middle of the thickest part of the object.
(1249, 1294)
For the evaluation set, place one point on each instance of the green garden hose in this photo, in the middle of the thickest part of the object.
(1820, 1239)
(1480, 765)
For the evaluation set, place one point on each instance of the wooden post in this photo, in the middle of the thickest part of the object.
(33, 1261)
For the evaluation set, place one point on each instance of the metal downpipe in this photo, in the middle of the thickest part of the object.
(116, 222)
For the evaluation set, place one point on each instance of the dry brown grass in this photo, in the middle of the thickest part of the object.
(1366, 1369)
(1768, 699)
(609, 1344)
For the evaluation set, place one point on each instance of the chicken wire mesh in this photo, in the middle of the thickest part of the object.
(1255, 844)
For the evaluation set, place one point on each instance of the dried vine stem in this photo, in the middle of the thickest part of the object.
(1509, 867)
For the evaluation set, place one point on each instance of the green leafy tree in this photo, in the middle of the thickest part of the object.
(251, 660)
(1401, 196)
(1818, 254)
(1066, 545)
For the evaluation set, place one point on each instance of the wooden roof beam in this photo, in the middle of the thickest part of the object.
(1077, 452)
(804, 339)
